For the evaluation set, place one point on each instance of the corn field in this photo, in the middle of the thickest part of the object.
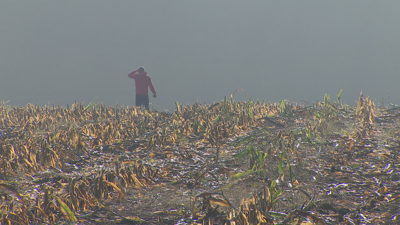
(62, 163)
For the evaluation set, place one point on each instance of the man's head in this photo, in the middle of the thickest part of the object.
(141, 69)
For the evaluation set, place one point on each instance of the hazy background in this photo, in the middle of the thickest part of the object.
(59, 52)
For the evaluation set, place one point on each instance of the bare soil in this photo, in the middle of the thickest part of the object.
(350, 181)
(218, 164)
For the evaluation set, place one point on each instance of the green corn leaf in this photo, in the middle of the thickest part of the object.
(277, 214)
(217, 119)
(66, 209)
(283, 107)
(240, 140)
(89, 105)
(243, 153)
(280, 167)
(240, 175)
(273, 185)
(276, 195)
(338, 96)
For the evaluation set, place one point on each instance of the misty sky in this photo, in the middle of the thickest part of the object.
(59, 52)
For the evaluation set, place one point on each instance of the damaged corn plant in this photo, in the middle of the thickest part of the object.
(230, 162)
(59, 163)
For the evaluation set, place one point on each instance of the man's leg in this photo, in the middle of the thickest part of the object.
(138, 100)
(142, 100)
(146, 101)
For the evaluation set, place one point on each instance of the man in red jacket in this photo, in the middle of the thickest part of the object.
(142, 85)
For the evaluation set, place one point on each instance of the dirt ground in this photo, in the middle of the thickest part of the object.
(228, 163)
(349, 183)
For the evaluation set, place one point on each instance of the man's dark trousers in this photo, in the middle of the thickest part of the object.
(142, 100)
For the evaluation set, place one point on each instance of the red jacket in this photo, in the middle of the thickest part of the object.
(142, 82)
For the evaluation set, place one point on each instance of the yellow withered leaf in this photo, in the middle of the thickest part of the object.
(383, 190)
(12, 189)
(28, 163)
(117, 189)
(136, 181)
(25, 149)
(204, 194)
(219, 201)
(296, 183)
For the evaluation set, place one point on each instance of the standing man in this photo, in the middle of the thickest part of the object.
(142, 85)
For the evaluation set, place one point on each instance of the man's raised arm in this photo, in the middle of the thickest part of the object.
(135, 74)
(132, 74)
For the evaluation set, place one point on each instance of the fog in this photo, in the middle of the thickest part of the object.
(59, 52)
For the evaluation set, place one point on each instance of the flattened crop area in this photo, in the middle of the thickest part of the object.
(226, 163)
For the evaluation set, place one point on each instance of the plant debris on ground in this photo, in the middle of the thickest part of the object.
(226, 163)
